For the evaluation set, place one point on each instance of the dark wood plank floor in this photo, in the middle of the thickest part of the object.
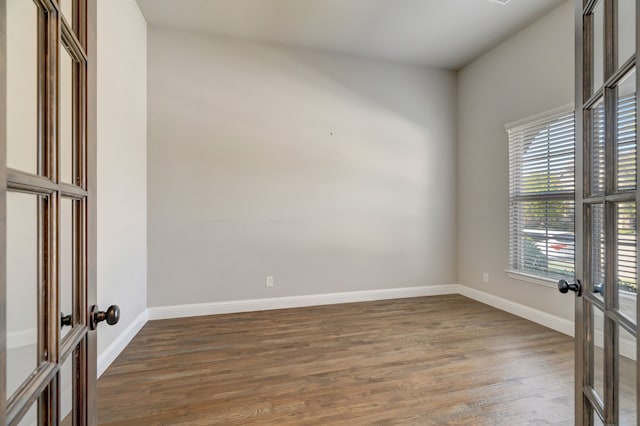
(423, 361)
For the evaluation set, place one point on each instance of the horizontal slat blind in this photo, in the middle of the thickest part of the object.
(627, 149)
(627, 242)
(597, 148)
(541, 196)
(597, 245)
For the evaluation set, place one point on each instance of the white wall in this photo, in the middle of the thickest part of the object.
(122, 165)
(532, 72)
(330, 173)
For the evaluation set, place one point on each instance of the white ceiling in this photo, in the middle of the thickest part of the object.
(438, 33)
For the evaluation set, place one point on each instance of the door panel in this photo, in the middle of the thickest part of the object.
(626, 267)
(66, 390)
(66, 113)
(31, 417)
(597, 42)
(628, 383)
(67, 264)
(68, 10)
(22, 289)
(626, 133)
(47, 212)
(606, 141)
(595, 269)
(597, 169)
(596, 343)
(626, 32)
(22, 85)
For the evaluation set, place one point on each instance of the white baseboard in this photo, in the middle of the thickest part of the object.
(18, 339)
(565, 326)
(553, 322)
(235, 306)
(117, 346)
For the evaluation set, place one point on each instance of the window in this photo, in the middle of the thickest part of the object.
(541, 196)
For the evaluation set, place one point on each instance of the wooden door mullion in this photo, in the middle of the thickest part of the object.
(80, 297)
(610, 220)
(80, 380)
(583, 87)
(48, 405)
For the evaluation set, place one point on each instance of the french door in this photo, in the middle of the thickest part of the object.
(606, 213)
(47, 212)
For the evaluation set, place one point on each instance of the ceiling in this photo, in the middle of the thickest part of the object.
(438, 33)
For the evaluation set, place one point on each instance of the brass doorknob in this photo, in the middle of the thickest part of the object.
(111, 315)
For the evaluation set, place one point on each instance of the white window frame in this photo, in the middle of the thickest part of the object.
(515, 131)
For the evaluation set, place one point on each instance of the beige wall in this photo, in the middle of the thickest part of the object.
(330, 173)
(122, 160)
(530, 73)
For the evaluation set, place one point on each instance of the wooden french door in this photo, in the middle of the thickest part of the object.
(606, 311)
(47, 212)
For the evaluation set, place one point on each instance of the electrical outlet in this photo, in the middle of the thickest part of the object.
(268, 281)
(485, 277)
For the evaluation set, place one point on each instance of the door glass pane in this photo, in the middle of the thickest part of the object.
(66, 391)
(598, 46)
(67, 10)
(627, 380)
(22, 288)
(597, 251)
(626, 134)
(626, 30)
(31, 417)
(597, 345)
(66, 263)
(597, 421)
(66, 116)
(597, 147)
(22, 85)
(627, 237)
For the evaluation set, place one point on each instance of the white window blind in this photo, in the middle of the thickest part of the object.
(627, 233)
(541, 196)
(626, 137)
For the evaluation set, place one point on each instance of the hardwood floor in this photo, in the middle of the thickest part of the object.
(423, 361)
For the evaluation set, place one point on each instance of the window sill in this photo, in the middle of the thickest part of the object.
(530, 278)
